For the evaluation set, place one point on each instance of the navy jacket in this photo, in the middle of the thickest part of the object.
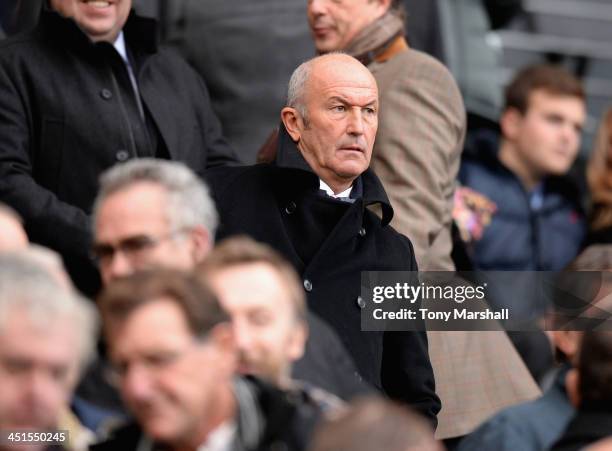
(329, 243)
(520, 237)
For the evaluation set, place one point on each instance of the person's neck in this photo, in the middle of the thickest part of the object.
(509, 157)
(222, 411)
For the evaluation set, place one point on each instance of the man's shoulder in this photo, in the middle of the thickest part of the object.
(412, 64)
(22, 46)
(126, 436)
(288, 420)
(226, 179)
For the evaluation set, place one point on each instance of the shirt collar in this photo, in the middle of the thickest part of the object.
(119, 45)
(325, 187)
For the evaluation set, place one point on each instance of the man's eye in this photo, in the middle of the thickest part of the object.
(370, 111)
(339, 108)
(137, 244)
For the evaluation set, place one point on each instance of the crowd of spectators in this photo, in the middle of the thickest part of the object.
(161, 291)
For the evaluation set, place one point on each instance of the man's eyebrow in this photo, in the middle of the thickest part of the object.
(346, 101)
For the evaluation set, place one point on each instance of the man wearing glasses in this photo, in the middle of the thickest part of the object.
(150, 212)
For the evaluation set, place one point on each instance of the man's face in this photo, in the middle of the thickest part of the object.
(547, 136)
(38, 370)
(337, 136)
(169, 380)
(101, 20)
(335, 23)
(268, 334)
(133, 232)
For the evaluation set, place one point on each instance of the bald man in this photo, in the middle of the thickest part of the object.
(310, 205)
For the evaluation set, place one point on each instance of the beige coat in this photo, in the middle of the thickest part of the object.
(416, 155)
(418, 149)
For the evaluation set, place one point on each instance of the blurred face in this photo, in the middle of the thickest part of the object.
(133, 232)
(38, 370)
(547, 137)
(269, 337)
(101, 20)
(335, 23)
(337, 135)
(170, 381)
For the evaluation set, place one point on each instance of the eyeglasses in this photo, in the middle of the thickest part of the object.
(133, 248)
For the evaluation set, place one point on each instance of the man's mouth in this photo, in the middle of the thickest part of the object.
(354, 148)
(321, 30)
(98, 4)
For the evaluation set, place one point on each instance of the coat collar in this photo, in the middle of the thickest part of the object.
(289, 157)
(140, 32)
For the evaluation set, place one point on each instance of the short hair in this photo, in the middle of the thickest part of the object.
(595, 369)
(123, 296)
(26, 284)
(189, 201)
(296, 91)
(374, 423)
(242, 250)
(546, 77)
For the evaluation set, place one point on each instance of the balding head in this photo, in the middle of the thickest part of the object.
(332, 115)
(12, 234)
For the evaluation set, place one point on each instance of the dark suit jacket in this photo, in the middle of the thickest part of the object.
(330, 242)
(64, 118)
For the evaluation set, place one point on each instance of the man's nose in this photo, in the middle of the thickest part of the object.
(242, 335)
(118, 266)
(355, 124)
(137, 384)
(316, 7)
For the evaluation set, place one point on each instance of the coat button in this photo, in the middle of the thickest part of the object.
(122, 155)
(307, 285)
(290, 208)
(106, 94)
(360, 302)
(362, 231)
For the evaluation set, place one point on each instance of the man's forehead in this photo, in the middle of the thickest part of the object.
(341, 73)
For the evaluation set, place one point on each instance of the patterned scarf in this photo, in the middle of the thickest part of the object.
(376, 37)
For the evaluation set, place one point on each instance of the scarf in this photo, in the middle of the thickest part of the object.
(376, 38)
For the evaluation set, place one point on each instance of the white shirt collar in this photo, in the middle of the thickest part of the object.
(119, 45)
(220, 439)
(325, 187)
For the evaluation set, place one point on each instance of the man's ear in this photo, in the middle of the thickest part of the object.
(297, 343)
(385, 5)
(510, 123)
(222, 337)
(292, 122)
(201, 243)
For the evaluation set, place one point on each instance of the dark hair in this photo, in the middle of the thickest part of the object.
(199, 305)
(552, 79)
(242, 250)
(374, 423)
(595, 369)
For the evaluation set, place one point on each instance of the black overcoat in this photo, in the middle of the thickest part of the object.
(330, 242)
(63, 120)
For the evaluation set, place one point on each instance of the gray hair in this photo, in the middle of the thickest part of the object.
(189, 201)
(297, 87)
(296, 92)
(26, 284)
